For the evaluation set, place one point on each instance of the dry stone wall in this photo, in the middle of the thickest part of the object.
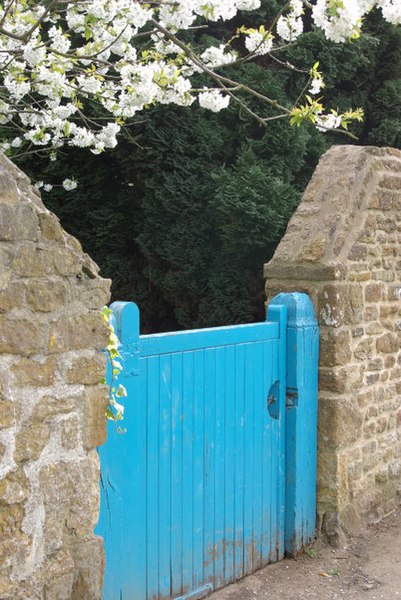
(51, 406)
(343, 247)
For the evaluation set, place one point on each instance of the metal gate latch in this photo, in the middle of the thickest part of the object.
(291, 397)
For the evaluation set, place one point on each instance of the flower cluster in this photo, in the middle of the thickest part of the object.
(290, 26)
(126, 55)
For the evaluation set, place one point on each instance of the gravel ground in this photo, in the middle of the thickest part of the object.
(369, 567)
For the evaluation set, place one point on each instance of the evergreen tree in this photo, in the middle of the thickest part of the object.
(183, 214)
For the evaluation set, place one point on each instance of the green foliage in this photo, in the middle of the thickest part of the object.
(183, 214)
(217, 192)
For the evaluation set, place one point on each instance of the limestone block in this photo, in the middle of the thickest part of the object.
(6, 273)
(9, 192)
(14, 548)
(95, 403)
(331, 301)
(8, 588)
(375, 365)
(50, 227)
(373, 292)
(12, 297)
(60, 587)
(354, 305)
(340, 304)
(27, 222)
(14, 488)
(30, 441)
(394, 292)
(50, 406)
(364, 398)
(11, 518)
(60, 575)
(371, 412)
(22, 336)
(388, 343)
(93, 293)
(333, 380)
(372, 378)
(72, 333)
(335, 347)
(386, 223)
(365, 349)
(8, 413)
(34, 372)
(8, 225)
(386, 276)
(67, 261)
(374, 328)
(89, 560)
(33, 260)
(370, 313)
(340, 422)
(70, 492)
(87, 370)
(47, 295)
(358, 252)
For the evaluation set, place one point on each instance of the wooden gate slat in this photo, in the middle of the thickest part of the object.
(188, 419)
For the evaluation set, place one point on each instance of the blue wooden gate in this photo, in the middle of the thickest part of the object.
(215, 476)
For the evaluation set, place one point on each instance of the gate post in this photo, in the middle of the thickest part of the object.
(301, 420)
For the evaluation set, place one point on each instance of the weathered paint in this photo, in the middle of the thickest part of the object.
(193, 493)
(301, 419)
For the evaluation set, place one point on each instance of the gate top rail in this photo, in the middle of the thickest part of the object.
(127, 325)
(197, 339)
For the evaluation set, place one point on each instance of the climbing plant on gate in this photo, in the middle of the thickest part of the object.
(116, 391)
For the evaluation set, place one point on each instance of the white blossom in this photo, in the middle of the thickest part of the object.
(290, 26)
(213, 100)
(259, 42)
(216, 56)
(88, 51)
(391, 10)
(248, 4)
(324, 122)
(69, 184)
(316, 86)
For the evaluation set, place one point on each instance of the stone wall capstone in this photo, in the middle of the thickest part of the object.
(343, 248)
(51, 406)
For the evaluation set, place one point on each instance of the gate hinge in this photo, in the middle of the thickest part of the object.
(291, 397)
(130, 356)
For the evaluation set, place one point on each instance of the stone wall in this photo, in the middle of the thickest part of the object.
(343, 247)
(51, 408)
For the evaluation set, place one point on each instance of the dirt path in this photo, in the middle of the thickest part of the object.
(369, 567)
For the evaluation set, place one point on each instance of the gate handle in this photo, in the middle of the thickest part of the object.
(273, 405)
